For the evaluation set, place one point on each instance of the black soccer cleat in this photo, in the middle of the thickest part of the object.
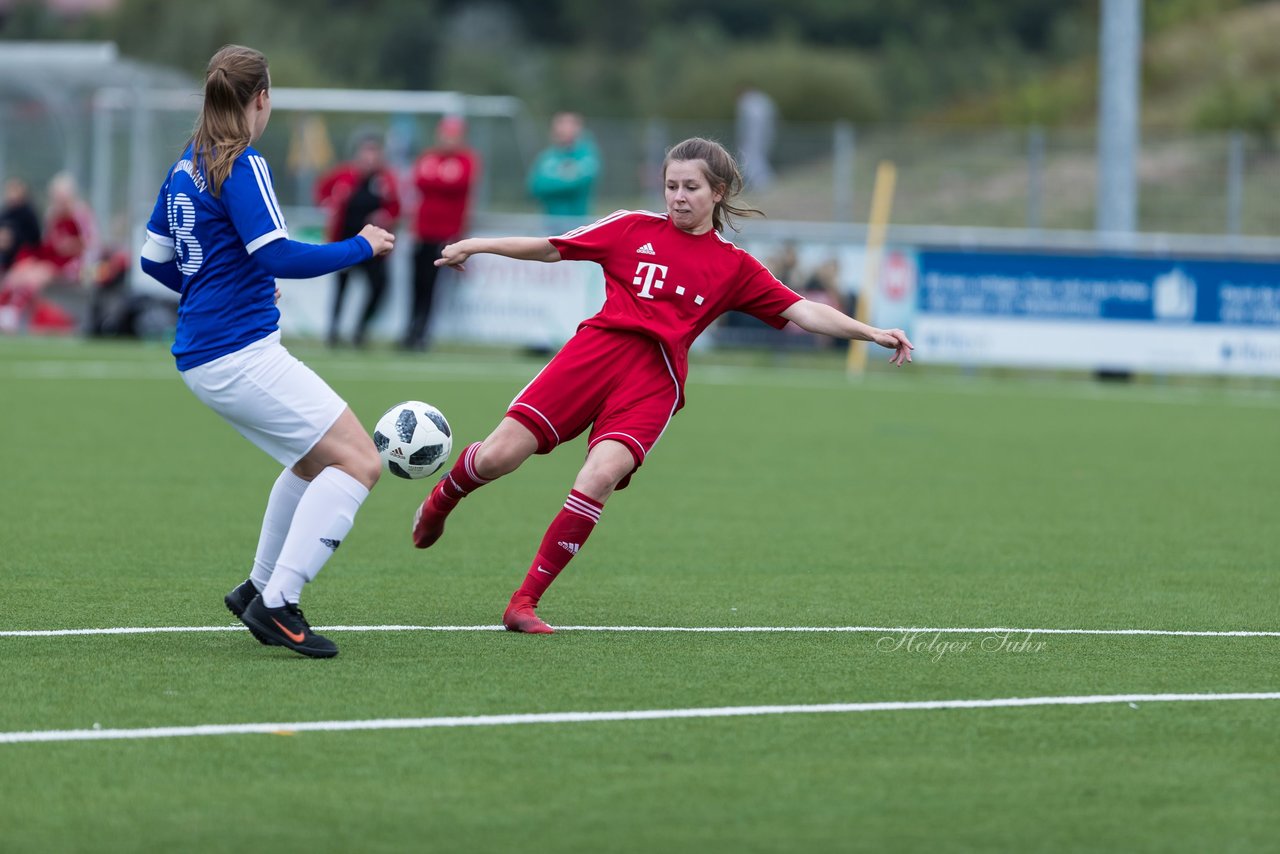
(286, 626)
(237, 600)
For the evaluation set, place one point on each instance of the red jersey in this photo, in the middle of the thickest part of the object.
(444, 179)
(671, 285)
(376, 200)
(66, 238)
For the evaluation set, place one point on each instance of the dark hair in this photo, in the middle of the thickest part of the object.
(722, 174)
(234, 76)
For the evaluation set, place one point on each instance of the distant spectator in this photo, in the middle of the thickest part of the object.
(564, 175)
(359, 193)
(822, 286)
(757, 126)
(785, 265)
(444, 175)
(19, 223)
(60, 257)
(110, 309)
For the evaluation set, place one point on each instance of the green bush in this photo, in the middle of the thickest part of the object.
(1248, 105)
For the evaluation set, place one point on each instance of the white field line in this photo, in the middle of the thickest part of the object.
(895, 630)
(291, 728)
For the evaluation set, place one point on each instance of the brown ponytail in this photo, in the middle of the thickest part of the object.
(722, 174)
(234, 76)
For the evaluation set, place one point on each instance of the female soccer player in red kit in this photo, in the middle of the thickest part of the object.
(668, 277)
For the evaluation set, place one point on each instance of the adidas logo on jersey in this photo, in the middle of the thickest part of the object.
(647, 249)
(571, 548)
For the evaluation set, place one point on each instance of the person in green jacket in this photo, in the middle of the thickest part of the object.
(564, 174)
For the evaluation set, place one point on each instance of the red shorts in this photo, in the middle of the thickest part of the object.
(620, 384)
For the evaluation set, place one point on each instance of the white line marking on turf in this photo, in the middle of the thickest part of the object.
(146, 630)
(597, 717)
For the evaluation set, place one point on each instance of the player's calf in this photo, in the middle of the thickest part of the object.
(461, 481)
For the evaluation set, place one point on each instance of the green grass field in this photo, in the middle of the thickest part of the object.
(781, 496)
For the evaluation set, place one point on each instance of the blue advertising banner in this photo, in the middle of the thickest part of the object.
(1098, 311)
(1099, 288)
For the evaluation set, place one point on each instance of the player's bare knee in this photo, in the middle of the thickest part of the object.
(495, 458)
(599, 481)
(365, 466)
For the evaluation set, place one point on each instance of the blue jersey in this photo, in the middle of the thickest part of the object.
(228, 300)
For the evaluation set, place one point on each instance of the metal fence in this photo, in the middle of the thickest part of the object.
(1038, 179)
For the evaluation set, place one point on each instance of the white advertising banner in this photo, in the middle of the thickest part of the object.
(1098, 346)
(501, 301)
(494, 301)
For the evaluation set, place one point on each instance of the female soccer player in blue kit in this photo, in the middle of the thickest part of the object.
(217, 237)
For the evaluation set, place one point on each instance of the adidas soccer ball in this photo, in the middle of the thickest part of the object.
(413, 438)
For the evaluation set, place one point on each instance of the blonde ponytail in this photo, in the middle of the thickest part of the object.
(234, 76)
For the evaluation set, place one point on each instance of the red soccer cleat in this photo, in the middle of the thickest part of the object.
(428, 522)
(519, 617)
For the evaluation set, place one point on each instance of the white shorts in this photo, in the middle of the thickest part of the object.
(275, 401)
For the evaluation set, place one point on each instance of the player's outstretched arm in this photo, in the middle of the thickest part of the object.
(293, 259)
(521, 248)
(823, 319)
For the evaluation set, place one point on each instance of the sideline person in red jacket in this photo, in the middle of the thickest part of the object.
(444, 175)
(359, 193)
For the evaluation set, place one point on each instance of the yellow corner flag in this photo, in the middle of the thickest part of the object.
(877, 227)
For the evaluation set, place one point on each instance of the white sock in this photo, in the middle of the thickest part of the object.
(322, 519)
(285, 494)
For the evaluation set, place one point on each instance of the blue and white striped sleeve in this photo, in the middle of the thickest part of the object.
(157, 249)
(159, 242)
(251, 202)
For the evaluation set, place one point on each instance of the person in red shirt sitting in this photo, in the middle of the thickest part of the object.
(58, 258)
(359, 193)
(444, 175)
(667, 277)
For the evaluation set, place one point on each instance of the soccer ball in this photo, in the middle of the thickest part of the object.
(413, 438)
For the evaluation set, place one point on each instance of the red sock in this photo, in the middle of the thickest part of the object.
(568, 531)
(460, 482)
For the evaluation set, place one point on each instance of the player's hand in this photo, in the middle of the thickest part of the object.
(454, 255)
(277, 296)
(897, 341)
(380, 239)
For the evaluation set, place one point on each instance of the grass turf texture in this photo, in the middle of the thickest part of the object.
(778, 497)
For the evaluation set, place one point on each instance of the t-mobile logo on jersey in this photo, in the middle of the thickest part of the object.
(646, 278)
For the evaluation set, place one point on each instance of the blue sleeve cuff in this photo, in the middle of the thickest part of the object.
(166, 273)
